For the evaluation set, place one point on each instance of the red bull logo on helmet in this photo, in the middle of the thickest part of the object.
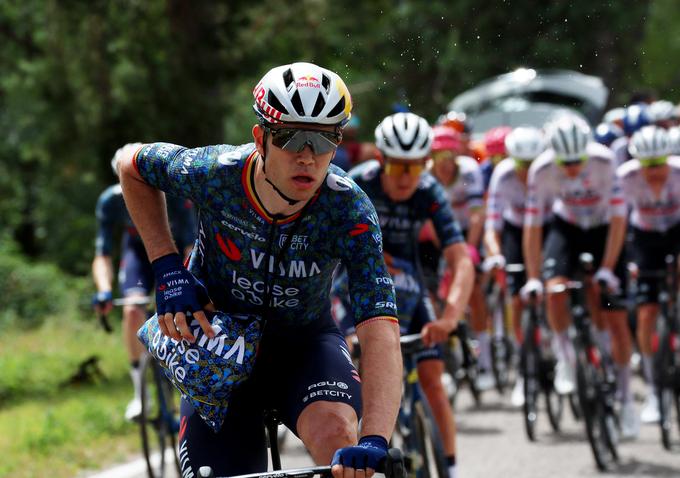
(308, 82)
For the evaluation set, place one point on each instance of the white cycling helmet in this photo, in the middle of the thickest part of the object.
(569, 136)
(404, 135)
(525, 143)
(674, 140)
(302, 93)
(649, 142)
(661, 110)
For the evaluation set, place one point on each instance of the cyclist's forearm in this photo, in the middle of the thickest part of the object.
(492, 242)
(615, 238)
(148, 211)
(463, 272)
(102, 273)
(531, 248)
(381, 373)
(476, 227)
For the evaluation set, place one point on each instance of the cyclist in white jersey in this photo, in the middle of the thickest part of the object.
(651, 187)
(578, 177)
(504, 219)
(462, 179)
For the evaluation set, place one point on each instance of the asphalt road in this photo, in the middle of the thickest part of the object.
(492, 443)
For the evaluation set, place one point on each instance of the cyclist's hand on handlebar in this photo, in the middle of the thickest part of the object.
(179, 295)
(103, 302)
(493, 262)
(533, 286)
(604, 274)
(364, 458)
(438, 331)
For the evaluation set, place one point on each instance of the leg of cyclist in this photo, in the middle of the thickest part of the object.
(429, 374)
(561, 258)
(322, 405)
(612, 317)
(135, 279)
(430, 370)
(646, 328)
(479, 324)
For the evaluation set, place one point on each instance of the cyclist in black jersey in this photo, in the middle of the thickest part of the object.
(275, 220)
(405, 196)
(135, 278)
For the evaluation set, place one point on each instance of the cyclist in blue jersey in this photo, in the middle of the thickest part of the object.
(135, 277)
(275, 219)
(405, 197)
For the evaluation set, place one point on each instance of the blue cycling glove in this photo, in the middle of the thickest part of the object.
(370, 452)
(102, 298)
(177, 290)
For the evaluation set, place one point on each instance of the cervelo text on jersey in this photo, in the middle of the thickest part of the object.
(239, 243)
(400, 222)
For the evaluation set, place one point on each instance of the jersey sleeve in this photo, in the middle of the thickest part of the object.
(359, 243)
(106, 221)
(538, 197)
(441, 213)
(178, 171)
(475, 190)
(495, 203)
(617, 203)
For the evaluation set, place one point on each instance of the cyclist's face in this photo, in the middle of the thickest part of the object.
(656, 175)
(572, 168)
(297, 174)
(400, 177)
(444, 166)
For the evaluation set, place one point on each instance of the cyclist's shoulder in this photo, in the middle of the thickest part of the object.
(543, 164)
(674, 163)
(468, 164)
(504, 169)
(111, 198)
(342, 189)
(600, 153)
(365, 172)
(629, 170)
(225, 155)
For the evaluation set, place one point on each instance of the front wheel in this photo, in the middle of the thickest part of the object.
(600, 423)
(531, 390)
(158, 421)
(430, 450)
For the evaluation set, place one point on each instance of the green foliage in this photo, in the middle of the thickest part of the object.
(48, 428)
(80, 79)
(34, 291)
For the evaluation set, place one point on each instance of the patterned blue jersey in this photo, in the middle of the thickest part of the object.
(112, 214)
(401, 222)
(239, 248)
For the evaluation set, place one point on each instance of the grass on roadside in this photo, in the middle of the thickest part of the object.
(47, 429)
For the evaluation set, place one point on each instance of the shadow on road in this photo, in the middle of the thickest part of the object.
(635, 467)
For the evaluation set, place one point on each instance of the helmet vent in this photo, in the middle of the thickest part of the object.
(325, 82)
(288, 77)
(406, 146)
(297, 104)
(318, 106)
(337, 109)
(275, 103)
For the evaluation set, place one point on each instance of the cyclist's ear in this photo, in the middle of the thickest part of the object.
(258, 137)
